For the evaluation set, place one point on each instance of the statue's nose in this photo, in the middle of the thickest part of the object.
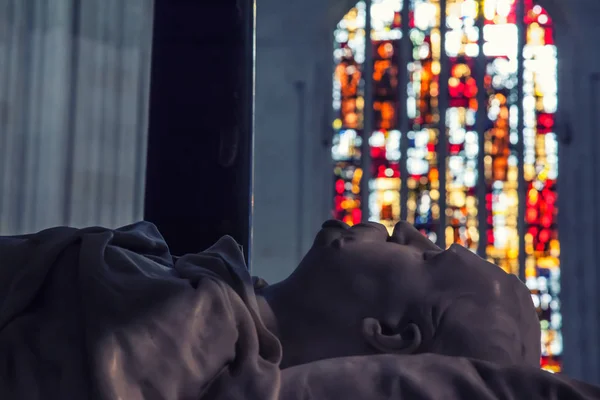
(369, 232)
(406, 234)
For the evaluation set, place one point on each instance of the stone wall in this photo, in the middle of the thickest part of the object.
(73, 112)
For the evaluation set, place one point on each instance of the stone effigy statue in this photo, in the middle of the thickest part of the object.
(110, 314)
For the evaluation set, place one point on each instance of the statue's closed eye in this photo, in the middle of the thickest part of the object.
(430, 254)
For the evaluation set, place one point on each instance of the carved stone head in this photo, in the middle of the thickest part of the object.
(402, 294)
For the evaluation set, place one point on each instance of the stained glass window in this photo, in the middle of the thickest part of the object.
(501, 160)
(456, 100)
(384, 185)
(542, 248)
(423, 111)
(348, 105)
(461, 48)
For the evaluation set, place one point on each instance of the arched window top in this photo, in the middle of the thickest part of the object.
(459, 135)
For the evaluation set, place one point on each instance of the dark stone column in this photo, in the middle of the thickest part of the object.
(199, 176)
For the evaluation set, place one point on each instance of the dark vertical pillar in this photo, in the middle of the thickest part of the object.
(199, 174)
(404, 57)
(480, 127)
(521, 184)
(368, 123)
(442, 148)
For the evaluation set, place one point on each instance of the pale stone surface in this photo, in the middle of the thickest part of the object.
(86, 59)
(293, 72)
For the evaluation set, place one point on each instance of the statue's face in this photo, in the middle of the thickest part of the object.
(403, 286)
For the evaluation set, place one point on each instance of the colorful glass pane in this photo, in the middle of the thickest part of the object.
(500, 125)
(501, 160)
(348, 105)
(461, 47)
(384, 196)
(424, 114)
(542, 247)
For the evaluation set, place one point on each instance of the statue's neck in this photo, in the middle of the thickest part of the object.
(305, 326)
(280, 313)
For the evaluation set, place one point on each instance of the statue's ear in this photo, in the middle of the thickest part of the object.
(405, 339)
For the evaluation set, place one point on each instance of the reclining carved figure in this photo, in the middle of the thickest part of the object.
(110, 314)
